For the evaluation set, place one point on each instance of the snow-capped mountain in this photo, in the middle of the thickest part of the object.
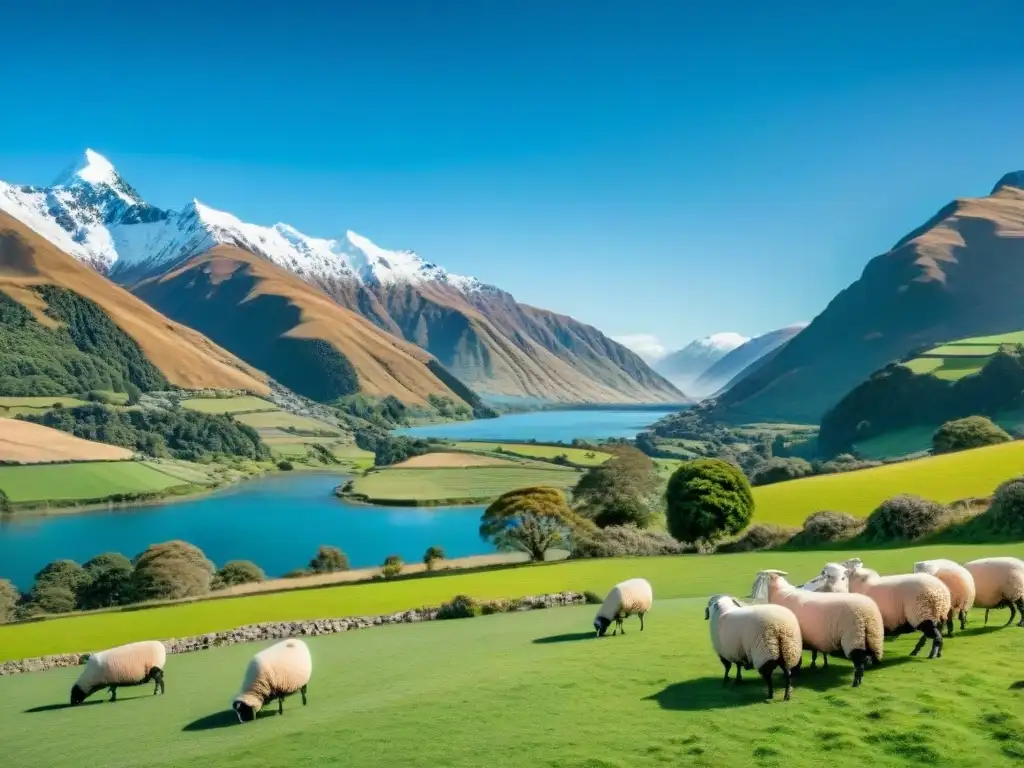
(92, 213)
(683, 367)
(732, 367)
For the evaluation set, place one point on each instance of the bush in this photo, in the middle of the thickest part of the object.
(707, 499)
(109, 582)
(66, 574)
(431, 556)
(392, 566)
(780, 470)
(845, 462)
(238, 572)
(905, 518)
(825, 526)
(760, 536)
(9, 597)
(1006, 515)
(171, 570)
(592, 598)
(329, 560)
(5, 503)
(49, 598)
(459, 607)
(285, 466)
(298, 573)
(971, 432)
(626, 541)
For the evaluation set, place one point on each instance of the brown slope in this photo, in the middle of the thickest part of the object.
(501, 347)
(293, 330)
(186, 358)
(959, 275)
(26, 443)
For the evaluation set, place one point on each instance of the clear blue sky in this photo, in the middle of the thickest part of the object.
(664, 167)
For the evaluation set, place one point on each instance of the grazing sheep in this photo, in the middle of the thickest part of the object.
(958, 581)
(760, 637)
(1000, 584)
(626, 598)
(125, 665)
(830, 622)
(275, 672)
(908, 602)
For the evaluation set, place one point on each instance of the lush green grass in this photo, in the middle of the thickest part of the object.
(284, 420)
(951, 368)
(40, 402)
(585, 458)
(81, 481)
(1016, 337)
(536, 688)
(945, 478)
(460, 483)
(902, 442)
(961, 349)
(240, 404)
(963, 357)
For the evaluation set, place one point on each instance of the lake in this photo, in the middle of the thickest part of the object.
(547, 426)
(277, 522)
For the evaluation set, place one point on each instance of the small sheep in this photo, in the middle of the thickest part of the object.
(908, 602)
(626, 598)
(960, 584)
(125, 665)
(273, 673)
(830, 622)
(760, 637)
(1000, 584)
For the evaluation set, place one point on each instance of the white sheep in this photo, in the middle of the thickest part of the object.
(273, 673)
(1000, 584)
(961, 587)
(908, 602)
(626, 598)
(760, 637)
(830, 622)
(125, 665)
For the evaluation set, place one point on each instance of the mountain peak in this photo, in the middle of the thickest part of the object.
(1011, 179)
(726, 340)
(92, 167)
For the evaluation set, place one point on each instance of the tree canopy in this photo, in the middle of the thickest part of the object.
(624, 490)
(970, 432)
(708, 499)
(329, 559)
(171, 570)
(531, 520)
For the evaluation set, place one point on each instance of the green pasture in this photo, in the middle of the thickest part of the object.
(945, 478)
(283, 420)
(458, 483)
(951, 368)
(900, 442)
(240, 404)
(580, 456)
(81, 481)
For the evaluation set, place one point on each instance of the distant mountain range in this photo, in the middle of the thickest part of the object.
(960, 274)
(260, 292)
(743, 360)
(685, 366)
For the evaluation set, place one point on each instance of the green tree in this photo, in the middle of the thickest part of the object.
(5, 503)
(969, 432)
(66, 574)
(432, 556)
(49, 597)
(531, 520)
(624, 490)
(238, 572)
(171, 570)
(109, 583)
(708, 499)
(9, 597)
(778, 470)
(392, 566)
(328, 560)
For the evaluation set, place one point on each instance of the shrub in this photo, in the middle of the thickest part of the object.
(392, 566)
(970, 432)
(845, 462)
(9, 597)
(431, 556)
(5, 503)
(760, 536)
(171, 570)
(905, 518)
(592, 598)
(109, 582)
(62, 573)
(627, 541)
(707, 499)
(49, 598)
(238, 572)
(459, 607)
(298, 573)
(328, 560)
(826, 526)
(1006, 515)
(779, 470)
(285, 466)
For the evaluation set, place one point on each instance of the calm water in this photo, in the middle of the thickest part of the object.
(277, 522)
(546, 426)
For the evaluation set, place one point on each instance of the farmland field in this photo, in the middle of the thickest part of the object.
(22, 442)
(442, 460)
(86, 481)
(957, 359)
(900, 442)
(536, 688)
(241, 404)
(282, 420)
(583, 457)
(451, 484)
(944, 478)
(40, 402)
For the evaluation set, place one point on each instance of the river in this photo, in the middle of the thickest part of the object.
(279, 522)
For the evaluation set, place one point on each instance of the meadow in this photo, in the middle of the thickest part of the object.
(88, 481)
(239, 404)
(456, 485)
(946, 478)
(580, 456)
(537, 688)
(960, 358)
(282, 420)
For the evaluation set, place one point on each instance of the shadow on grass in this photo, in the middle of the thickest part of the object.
(976, 631)
(65, 705)
(841, 674)
(1018, 686)
(570, 637)
(223, 719)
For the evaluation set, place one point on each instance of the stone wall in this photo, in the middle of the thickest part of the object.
(279, 630)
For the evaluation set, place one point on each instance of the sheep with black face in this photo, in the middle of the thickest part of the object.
(126, 665)
(626, 598)
(274, 673)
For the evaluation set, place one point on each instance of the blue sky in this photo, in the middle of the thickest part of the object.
(662, 168)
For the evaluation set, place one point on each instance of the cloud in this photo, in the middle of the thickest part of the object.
(647, 345)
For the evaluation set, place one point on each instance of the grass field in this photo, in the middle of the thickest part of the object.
(40, 402)
(443, 460)
(585, 458)
(957, 359)
(462, 484)
(537, 689)
(900, 442)
(283, 420)
(944, 478)
(240, 404)
(88, 481)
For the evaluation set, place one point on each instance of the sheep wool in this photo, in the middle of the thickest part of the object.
(626, 598)
(958, 581)
(760, 637)
(125, 665)
(830, 622)
(274, 673)
(1000, 584)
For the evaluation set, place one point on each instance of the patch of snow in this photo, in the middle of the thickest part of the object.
(726, 340)
(647, 345)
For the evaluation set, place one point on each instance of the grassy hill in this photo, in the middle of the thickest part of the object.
(84, 482)
(22, 442)
(956, 359)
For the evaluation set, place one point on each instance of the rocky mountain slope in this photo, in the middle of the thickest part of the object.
(478, 332)
(958, 275)
(685, 366)
(739, 362)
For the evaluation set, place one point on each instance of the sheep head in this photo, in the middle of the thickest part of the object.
(763, 583)
(833, 578)
(719, 604)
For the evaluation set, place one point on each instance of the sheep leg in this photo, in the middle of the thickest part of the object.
(739, 674)
(930, 629)
(113, 693)
(787, 676)
(280, 705)
(858, 657)
(728, 667)
(766, 672)
(814, 659)
(641, 621)
(986, 616)
(1013, 614)
(1020, 608)
(302, 690)
(949, 623)
(963, 620)
(158, 680)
